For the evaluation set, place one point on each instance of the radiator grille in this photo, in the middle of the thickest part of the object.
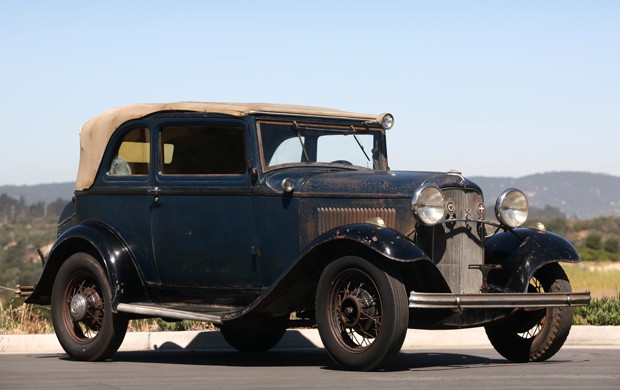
(332, 217)
(456, 245)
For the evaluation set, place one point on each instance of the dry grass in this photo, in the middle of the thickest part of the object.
(159, 325)
(602, 279)
(23, 319)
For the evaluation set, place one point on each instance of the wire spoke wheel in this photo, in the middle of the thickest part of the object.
(362, 313)
(535, 335)
(356, 309)
(536, 318)
(83, 299)
(84, 323)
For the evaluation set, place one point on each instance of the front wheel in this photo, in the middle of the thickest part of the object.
(362, 313)
(533, 336)
(85, 325)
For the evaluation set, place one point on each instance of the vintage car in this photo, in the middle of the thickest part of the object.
(262, 217)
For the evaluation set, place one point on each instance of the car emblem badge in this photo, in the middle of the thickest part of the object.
(481, 210)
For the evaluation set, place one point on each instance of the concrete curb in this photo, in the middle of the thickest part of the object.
(594, 336)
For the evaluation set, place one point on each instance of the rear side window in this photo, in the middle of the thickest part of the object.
(132, 154)
(203, 150)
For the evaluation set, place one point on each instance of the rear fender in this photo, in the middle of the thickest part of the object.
(521, 252)
(100, 242)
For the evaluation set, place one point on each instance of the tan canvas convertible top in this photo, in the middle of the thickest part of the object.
(96, 132)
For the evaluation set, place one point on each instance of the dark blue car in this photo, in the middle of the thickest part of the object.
(261, 217)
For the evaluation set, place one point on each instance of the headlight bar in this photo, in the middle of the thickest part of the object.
(511, 208)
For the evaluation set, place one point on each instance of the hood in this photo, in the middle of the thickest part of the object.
(366, 182)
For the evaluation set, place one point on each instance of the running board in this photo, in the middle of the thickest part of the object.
(158, 311)
(419, 300)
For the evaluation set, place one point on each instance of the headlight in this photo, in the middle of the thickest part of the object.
(511, 208)
(386, 121)
(429, 205)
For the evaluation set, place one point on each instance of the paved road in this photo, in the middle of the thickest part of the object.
(571, 368)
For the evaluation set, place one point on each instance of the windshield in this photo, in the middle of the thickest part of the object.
(304, 144)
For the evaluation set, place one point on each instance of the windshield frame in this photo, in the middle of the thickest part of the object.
(377, 156)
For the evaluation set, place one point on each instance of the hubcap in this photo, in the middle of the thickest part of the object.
(350, 311)
(78, 307)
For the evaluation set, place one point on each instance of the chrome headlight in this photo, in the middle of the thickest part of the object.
(386, 121)
(511, 208)
(429, 205)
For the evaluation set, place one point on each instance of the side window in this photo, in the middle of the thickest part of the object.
(132, 155)
(203, 150)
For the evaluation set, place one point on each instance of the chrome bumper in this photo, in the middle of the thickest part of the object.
(419, 300)
(23, 291)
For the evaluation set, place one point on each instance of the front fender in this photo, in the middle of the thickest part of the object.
(102, 243)
(300, 278)
(384, 241)
(521, 252)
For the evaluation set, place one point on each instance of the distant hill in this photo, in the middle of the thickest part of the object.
(577, 194)
(40, 192)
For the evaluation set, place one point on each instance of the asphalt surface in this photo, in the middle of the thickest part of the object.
(452, 359)
(455, 359)
(311, 368)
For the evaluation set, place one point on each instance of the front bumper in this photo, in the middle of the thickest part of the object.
(419, 300)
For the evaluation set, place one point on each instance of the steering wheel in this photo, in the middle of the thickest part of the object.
(343, 162)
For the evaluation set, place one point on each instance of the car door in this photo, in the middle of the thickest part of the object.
(202, 208)
(120, 197)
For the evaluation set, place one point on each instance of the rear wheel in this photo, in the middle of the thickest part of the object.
(85, 325)
(533, 336)
(255, 336)
(362, 313)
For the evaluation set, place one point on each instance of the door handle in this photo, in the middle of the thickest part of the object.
(154, 192)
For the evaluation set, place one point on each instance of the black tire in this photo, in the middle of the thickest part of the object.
(85, 325)
(362, 313)
(255, 336)
(534, 336)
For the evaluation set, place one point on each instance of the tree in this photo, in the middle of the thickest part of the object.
(594, 241)
(612, 245)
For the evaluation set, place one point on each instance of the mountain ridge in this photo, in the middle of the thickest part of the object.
(35, 193)
(581, 195)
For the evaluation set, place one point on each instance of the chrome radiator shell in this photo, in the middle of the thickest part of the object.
(454, 245)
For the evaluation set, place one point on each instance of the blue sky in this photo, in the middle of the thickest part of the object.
(492, 88)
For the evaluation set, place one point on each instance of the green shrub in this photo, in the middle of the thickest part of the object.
(594, 241)
(612, 245)
(602, 311)
(589, 254)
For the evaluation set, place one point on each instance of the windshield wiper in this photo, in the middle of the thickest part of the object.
(359, 143)
(301, 141)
